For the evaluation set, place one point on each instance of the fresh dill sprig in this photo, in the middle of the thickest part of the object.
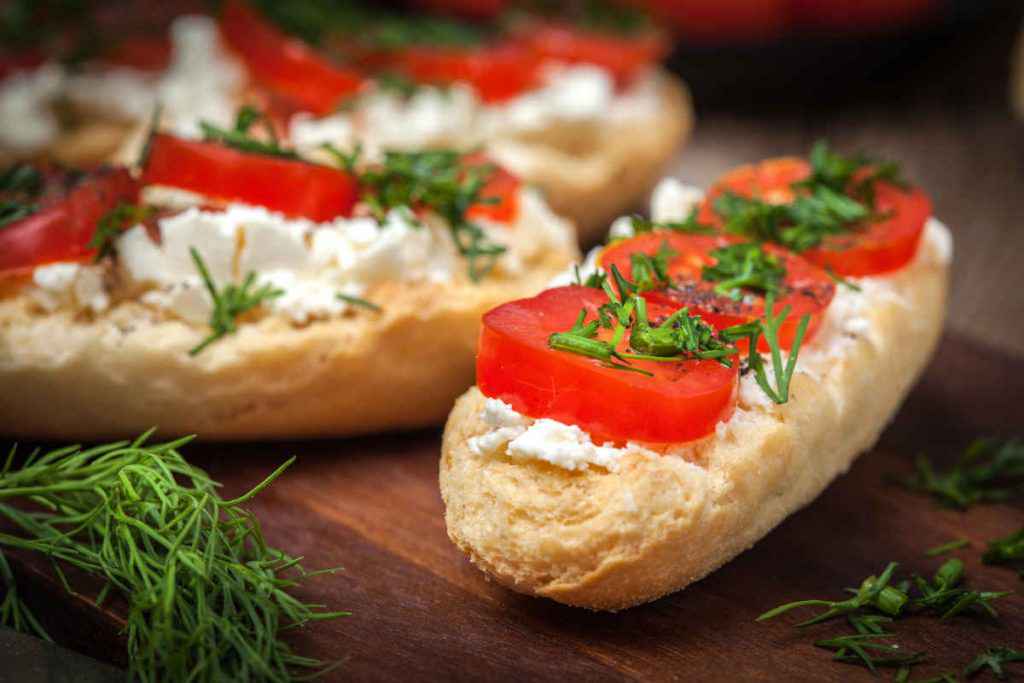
(229, 302)
(651, 271)
(744, 266)
(1008, 551)
(945, 596)
(875, 592)
(358, 301)
(20, 187)
(849, 284)
(947, 547)
(993, 659)
(837, 197)
(207, 597)
(438, 180)
(690, 225)
(240, 137)
(989, 471)
(865, 649)
(113, 223)
(682, 336)
(839, 173)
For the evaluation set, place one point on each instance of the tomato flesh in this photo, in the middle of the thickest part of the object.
(65, 223)
(284, 64)
(878, 247)
(623, 57)
(806, 289)
(292, 187)
(684, 400)
(496, 72)
(501, 191)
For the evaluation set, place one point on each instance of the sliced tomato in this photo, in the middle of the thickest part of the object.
(501, 191)
(65, 223)
(284, 64)
(295, 188)
(623, 57)
(146, 53)
(806, 289)
(497, 72)
(725, 21)
(681, 402)
(879, 246)
(23, 61)
(474, 9)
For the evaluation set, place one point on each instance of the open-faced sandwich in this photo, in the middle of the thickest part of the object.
(710, 372)
(573, 102)
(237, 290)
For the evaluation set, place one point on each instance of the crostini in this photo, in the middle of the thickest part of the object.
(626, 435)
(237, 290)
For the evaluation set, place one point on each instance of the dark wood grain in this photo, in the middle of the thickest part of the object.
(421, 611)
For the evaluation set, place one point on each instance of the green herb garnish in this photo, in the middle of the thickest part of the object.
(989, 471)
(229, 302)
(357, 301)
(241, 139)
(993, 659)
(947, 547)
(651, 272)
(1008, 551)
(438, 180)
(831, 201)
(841, 281)
(874, 591)
(690, 225)
(866, 649)
(945, 596)
(113, 223)
(20, 187)
(207, 597)
(744, 266)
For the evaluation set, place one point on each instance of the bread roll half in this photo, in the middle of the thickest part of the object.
(607, 540)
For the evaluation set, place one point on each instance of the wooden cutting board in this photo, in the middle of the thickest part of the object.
(421, 611)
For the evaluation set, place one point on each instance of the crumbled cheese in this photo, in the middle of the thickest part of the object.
(26, 101)
(584, 270)
(672, 200)
(69, 285)
(310, 262)
(435, 116)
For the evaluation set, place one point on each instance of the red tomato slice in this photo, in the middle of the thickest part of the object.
(497, 72)
(66, 221)
(284, 64)
(475, 9)
(725, 21)
(502, 189)
(295, 188)
(879, 247)
(146, 53)
(806, 289)
(25, 61)
(623, 57)
(681, 402)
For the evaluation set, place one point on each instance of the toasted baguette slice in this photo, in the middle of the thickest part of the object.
(607, 540)
(113, 375)
(609, 171)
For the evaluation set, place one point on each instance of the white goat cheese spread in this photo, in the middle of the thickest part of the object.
(435, 116)
(69, 285)
(26, 108)
(310, 263)
(517, 436)
(200, 84)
